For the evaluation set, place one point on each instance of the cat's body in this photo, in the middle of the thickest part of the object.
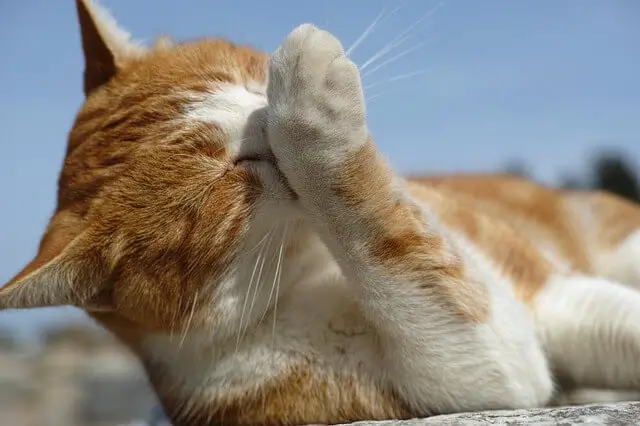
(326, 355)
(248, 242)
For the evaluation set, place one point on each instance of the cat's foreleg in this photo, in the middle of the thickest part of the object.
(447, 341)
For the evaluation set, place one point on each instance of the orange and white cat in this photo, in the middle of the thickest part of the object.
(228, 216)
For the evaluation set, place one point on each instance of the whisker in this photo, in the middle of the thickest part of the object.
(385, 49)
(248, 138)
(279, 276)
(400, 38)
(259, 242)
(369, 30)
(365, 33)
(396, 57)
(186, 329)
(397, 8)
(371, 98)
(246, 296)
(275, 275)
(257, 287)
(396, 78)
(174, 317)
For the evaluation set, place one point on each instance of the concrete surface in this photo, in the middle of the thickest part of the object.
(621, 413)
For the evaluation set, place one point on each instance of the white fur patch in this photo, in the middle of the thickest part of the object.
(590, 328)
(228, 106)
(317, 320)
(623, 263)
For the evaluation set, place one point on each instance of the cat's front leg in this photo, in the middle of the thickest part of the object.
(448, 341)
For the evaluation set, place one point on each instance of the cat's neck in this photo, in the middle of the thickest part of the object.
(273, 265)
(241, 349)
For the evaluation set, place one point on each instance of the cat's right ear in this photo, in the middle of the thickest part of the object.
(106, 46)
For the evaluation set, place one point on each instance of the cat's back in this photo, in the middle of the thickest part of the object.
(506, 206)
(580, 229)
(493, 230)
(536, 212)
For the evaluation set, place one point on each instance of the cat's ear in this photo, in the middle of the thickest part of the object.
(62, 273)
(105, 45)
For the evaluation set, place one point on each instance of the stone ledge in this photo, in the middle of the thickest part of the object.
(621, 413)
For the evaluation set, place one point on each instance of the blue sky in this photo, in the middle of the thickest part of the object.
(544, 81)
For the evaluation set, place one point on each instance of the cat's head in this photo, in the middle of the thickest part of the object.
(166, 173)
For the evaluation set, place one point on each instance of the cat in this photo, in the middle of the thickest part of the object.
(228, 217)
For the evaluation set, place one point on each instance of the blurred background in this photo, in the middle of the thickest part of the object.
(544, 88)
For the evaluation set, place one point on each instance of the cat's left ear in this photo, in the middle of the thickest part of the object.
(66, 271)
(106, 46)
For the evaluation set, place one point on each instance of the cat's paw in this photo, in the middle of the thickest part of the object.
(316, 106)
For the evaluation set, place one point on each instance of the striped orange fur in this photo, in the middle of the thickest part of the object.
(227, 216)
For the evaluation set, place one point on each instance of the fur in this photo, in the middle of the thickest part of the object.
(227, 216)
